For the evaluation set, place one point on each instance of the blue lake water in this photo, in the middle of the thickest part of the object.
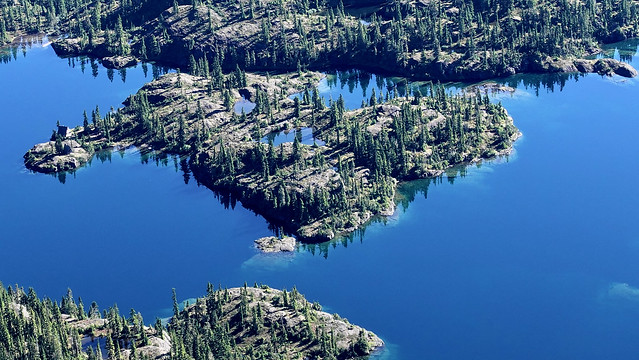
(304, 136)
(357, 86)
(529, 257)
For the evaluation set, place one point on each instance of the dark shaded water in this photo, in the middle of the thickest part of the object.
(530, 257)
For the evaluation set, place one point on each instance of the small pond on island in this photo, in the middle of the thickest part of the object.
(243, 106)
(533, 256)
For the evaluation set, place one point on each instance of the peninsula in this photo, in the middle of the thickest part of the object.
(247, 322)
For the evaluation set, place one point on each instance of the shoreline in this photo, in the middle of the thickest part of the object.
(545, 65)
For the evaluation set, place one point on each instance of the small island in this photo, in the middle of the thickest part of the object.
(274, 244)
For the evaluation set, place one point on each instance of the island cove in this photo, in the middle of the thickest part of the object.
(316, 192)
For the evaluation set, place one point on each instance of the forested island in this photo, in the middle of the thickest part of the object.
(239, 323)
(315, 191)
(268, 50)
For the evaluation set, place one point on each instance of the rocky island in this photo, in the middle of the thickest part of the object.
(247, 322)
(267, 50)
(61, 154)
(273, 244)
(315, 191)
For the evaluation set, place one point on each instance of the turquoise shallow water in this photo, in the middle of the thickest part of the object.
(529, 257)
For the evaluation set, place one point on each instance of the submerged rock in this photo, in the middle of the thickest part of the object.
(271, 244)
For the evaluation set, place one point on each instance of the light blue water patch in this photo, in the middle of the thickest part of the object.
(272, 262)
(243, 106)
(623, 291)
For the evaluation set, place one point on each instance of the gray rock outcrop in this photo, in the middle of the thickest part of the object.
(46, 158)
(119, 62)
(272, 244)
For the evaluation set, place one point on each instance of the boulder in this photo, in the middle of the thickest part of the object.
(44, 158)
(584, 66)
(605, 67)
(389, 110)
(272, 244)
(66, 47)
(625, 70)
(560, 65)
(119, 62)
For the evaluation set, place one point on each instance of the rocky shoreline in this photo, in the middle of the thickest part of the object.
(253, 319)
(181, 37)
(443, 71)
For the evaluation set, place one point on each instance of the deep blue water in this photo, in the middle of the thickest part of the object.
(530, 257)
